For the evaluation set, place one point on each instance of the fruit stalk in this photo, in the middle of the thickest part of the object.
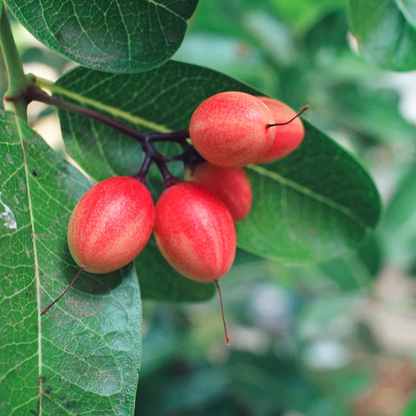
(32, 93)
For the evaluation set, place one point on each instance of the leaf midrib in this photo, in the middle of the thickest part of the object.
(108, 109)
(308, 192)
(35, 260)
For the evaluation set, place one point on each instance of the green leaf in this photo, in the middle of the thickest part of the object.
(124, 36)
(399, 230)
(313, 205)
(385, 31)
(83, 356)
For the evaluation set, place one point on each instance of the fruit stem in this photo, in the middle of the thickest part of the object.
(152, 155)
(189, 155)
(293, 118)
(141, 175)
(227, 338)
(179, 136)
(63, 293)
(168, 179)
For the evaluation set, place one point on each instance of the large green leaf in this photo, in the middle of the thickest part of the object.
(313, 205)
(123, 36)
(385, 31)
(83, 356)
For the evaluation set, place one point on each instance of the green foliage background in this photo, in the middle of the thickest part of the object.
(303, 337)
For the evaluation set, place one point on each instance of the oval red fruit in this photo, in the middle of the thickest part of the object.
(111, 224)
(195, 232)
(230, 184)
(231, 129)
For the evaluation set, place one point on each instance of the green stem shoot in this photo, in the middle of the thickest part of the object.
(16, 77)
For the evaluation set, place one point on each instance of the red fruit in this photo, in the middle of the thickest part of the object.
(111, 224)
(287, 137)
(231, 129)
(230, 184)
(195, 232)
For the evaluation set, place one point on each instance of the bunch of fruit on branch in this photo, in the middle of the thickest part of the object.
(193, 220)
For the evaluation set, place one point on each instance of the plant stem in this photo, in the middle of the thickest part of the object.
(33, 93)
(190, 156)
(179, 136)
(39, 95)
(16, 76)
(144, 170)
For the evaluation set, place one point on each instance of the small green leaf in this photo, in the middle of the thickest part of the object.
(123, 36)
(399, 231)
(315, 204)
(385, 31)
(83, 356)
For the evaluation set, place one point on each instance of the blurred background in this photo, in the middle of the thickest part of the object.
(324, 340)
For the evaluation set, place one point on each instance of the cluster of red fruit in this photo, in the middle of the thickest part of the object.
(193, 221)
